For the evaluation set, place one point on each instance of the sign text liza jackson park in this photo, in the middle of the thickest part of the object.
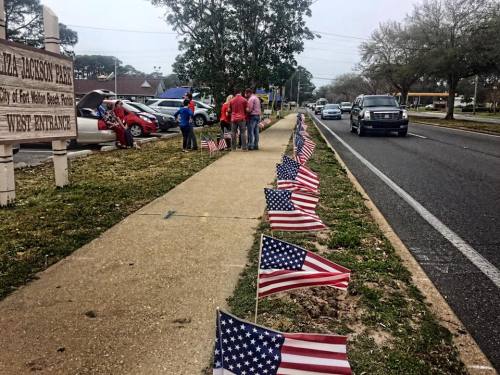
(37, 99)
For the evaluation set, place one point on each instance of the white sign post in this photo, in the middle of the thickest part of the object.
(37, 101)
(59, 147)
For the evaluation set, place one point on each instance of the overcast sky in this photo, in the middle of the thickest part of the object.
(156, 44)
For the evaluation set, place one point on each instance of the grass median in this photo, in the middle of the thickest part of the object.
(391, 329)
(480, 127)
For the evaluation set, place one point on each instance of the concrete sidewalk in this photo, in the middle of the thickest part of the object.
(141, 298)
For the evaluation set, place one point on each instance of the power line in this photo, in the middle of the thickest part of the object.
(339, 35)
(122, 30)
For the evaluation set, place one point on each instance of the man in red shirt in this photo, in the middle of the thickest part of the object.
(238, 109)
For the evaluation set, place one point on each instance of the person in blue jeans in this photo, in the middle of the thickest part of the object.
(185, 116)
(253, 119)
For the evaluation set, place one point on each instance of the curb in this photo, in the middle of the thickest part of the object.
(471, 355)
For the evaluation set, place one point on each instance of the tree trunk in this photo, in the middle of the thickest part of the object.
(404, 96)
(452, 88)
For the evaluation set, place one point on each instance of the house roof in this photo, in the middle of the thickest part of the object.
(130, 86)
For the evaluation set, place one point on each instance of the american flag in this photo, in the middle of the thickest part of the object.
(204, 142)
(222, 144)
(294, 176)
(243, 348)
(284, 266)
(285, 216)
(304, 148)
(212, 146)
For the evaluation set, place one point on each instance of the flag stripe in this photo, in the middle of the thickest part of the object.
(338, 281)
(314, 260)
(327, 343)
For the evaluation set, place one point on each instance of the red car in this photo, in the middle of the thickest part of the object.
(139, 123)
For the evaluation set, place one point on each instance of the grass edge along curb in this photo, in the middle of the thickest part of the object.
(470, 353)
(46, 223)
(469, 126)
(390, 328)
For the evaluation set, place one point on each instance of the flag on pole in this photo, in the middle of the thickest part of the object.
(294, 176)
(204, 143)
(243, 348)
(222, 144)
(284, 215)
(212, 146)
(304, 148)
(284, 266)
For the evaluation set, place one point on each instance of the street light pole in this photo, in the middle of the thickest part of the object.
(475, 94)
(298, 90)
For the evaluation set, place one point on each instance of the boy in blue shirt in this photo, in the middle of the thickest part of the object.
(186, 124)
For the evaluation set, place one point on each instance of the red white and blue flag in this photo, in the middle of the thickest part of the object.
(284, 266)
(222, 144)
(304, 148)
(243, 348)
(294, 176)
(284, 215)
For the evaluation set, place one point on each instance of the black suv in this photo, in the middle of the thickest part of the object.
(378, 113)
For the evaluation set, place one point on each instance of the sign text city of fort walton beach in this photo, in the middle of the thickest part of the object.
(36, 95)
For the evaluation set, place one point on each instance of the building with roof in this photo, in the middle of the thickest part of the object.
(137, 88)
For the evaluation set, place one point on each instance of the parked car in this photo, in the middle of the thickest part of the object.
(378, 113)
(91, 130)
(165, 121)
(140, 123)
(345, 107)
(204, 114)
(331, 111)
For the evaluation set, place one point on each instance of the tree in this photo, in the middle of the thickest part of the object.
(390, 55)
(456, 40)
(303, 77)
(93, 66)
(346, 87)
(229, 43)
(24, 24)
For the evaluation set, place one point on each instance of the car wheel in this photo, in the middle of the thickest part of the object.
(360, 130)
(136, 130)
(199, 120)
(402, 133)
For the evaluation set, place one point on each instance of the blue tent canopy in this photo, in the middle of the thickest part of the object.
(175, 93)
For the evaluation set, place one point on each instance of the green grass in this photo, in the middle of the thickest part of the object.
(481, 127)
(390, 327)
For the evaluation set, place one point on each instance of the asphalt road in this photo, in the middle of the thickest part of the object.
(455, 176)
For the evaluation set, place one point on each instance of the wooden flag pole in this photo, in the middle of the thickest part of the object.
(258, 279)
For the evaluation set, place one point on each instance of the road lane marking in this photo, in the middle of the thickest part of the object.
(417, 135)
(468, 251)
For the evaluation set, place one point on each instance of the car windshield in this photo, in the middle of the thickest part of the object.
(346, 104)
(142, 107)
(130, 108)
(202, 105)
(332, 106)
(380, 101)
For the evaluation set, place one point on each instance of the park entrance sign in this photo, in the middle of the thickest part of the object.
(37, 101)
(36, 95)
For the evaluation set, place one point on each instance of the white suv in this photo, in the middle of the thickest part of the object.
(203, 113)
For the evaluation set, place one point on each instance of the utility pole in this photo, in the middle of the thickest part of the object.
(475, 95)
(298, 90)
(116, 79)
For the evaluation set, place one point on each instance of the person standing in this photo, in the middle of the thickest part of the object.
(238, 109)
(225, 117)
(253, 111)
(186, 124)
(192, 104)
(120, 113)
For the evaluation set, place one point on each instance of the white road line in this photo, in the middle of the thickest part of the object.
(418, 135)
(477, 259)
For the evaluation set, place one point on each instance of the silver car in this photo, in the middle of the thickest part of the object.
(203, 113)
(90, 131)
